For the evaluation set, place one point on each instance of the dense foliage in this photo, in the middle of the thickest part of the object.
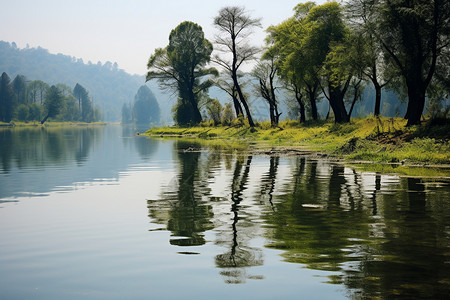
(25, 100)
(338, 48)
(180, 67)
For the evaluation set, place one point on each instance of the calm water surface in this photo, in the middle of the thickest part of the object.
(98, 213)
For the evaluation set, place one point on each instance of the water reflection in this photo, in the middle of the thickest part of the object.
(38, 160)
(382, 236)
(31, 147)
(234, 263)
(181, 207)
(186, 209)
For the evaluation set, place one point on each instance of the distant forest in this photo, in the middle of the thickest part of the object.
(109, 87)
(34, 100)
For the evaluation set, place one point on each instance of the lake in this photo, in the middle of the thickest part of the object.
(100, 213)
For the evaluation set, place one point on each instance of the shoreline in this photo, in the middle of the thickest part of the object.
(49, 124)
(378, 144)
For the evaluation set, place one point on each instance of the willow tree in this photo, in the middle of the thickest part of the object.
(415, 38)
(180, 67)
(297, 66)
(305, 42)
(235, 26)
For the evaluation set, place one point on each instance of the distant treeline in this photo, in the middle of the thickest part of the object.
(109, 87)
(35, 100)
(144, 110)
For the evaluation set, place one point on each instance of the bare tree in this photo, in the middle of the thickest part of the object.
(265, 72)
(235, 26)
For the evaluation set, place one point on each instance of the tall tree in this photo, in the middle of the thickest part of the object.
(20, 88)
(37, 90)
(84, 103)
(297, 65)
(415, 36)
(69, 108)
(7, 99)
(145, 108)
(79, 92)
(367, 54)
(235, 26)
(325, 40)
(181, 67)
(53, 103)
(87, 109)
(265, 72)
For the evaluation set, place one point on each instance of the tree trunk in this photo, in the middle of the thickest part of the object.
(45, 119)
(274, 99)
(312, 100)
(277, 115)
(237, 107)
(377, 99)
(197, 117)
(337, 105)
(302, 112)
(356, 95)
(243, 101)
(272, 115)
(352, 106)
(340, 113)
(236, 83)
(416, 104)
(299, 97)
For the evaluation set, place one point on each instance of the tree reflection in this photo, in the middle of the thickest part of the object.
(38, 147)
(234, 263)
(181, 208)
(268, 180)
(145, 146)
(382, 245)
(312, 224)
(380, 236)
(409, 262)
(6, 151)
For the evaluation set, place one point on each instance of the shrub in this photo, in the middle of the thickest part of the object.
(22, 112)
(227, 115)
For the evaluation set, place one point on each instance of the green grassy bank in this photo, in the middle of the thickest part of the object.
(369, 139)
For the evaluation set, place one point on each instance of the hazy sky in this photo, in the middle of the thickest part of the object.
(122, 31)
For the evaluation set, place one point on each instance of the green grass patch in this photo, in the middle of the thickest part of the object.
(416, 171)
(368, 139)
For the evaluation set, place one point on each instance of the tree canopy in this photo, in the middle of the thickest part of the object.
(180, 67)
(235, 26)
(415, 37)
(145, 109)
(8, 100)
